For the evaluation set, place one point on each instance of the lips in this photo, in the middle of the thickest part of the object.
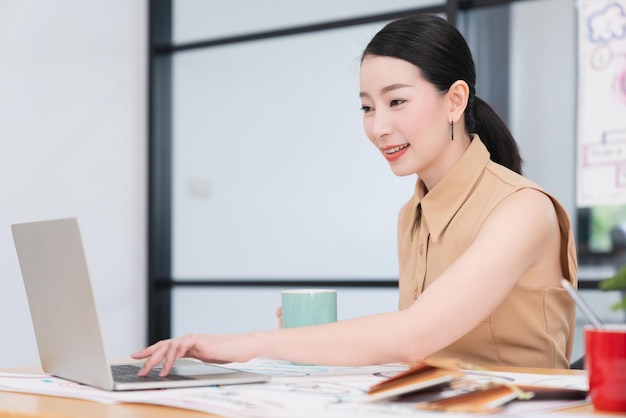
(395, 149)
(395, 152)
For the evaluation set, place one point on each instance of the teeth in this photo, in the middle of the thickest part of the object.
(396, 149)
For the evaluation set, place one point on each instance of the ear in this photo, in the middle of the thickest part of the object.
(458, 95)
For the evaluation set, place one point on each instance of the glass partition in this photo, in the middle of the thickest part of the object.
(273, 176)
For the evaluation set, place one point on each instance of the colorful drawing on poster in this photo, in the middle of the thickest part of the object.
(602, 102)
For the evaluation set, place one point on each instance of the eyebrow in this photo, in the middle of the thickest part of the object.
(387, 89)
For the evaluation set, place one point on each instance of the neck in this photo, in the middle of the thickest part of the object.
(446, 163)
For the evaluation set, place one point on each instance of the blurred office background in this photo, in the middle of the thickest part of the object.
(253, 174)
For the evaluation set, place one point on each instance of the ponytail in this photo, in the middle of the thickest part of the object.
(493, 132)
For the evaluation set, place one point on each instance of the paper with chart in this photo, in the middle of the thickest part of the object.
(601, 116)
(294, 391)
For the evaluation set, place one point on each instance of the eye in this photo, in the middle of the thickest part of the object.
(366, 109)
(396, 102)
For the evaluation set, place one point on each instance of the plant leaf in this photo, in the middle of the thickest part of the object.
(619, 305)
(617, 282)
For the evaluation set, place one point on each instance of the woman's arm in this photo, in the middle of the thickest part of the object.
(519, 234)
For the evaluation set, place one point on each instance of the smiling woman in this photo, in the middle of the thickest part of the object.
(410, 100)
(482, 249)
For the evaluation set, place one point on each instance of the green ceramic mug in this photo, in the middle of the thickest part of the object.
(304, 307)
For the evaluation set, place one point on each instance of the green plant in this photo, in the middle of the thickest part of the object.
(617, 282)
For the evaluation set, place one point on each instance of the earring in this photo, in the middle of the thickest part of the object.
(452, 130)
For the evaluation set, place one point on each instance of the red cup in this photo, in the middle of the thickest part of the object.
(605, 362)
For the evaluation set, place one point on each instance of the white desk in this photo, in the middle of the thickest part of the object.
(41, 406)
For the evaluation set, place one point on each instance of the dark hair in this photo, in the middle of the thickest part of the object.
(440, 52)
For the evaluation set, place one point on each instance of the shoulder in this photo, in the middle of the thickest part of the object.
(521, 192)
(528, 200)
(527, 212)
(509, 177)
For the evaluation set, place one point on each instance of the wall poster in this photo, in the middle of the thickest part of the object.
(601, 119)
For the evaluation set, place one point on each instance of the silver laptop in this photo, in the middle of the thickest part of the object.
(66, 324)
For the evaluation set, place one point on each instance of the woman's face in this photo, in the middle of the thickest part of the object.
(404, 115)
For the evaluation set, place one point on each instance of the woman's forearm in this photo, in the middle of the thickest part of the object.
(374, 339)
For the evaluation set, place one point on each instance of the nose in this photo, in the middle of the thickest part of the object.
(379, 125)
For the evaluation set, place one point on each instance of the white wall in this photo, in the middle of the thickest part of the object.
(291, 186)
(73, 80)
(543, 94)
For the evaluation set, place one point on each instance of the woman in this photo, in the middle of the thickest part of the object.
(481, 249)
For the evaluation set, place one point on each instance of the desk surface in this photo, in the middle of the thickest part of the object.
(41, 406)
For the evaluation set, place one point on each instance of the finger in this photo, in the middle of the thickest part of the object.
(180, 348)
(173, 354)
(146, 352)
(279, 315)
(154, 359)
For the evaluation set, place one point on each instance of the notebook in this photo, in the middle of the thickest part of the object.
(65, 321)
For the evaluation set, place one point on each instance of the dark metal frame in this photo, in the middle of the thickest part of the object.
(161, 49)
(159, 172)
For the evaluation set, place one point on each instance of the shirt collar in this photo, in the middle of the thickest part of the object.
(440, 204)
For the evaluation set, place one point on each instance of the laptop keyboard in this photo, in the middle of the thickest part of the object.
(127, 373)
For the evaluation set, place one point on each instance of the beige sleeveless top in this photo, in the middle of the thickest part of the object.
(533, 327)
